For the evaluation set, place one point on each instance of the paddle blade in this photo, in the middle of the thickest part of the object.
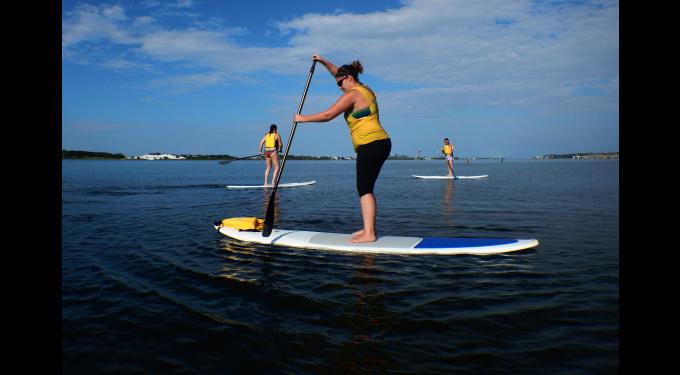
(269, 216)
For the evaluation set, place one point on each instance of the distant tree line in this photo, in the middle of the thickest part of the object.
(400, 157)
(599, 155)
(304, 157)
(208, 157)
(73, 154)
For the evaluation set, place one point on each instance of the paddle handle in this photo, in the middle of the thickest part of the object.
(269, 216)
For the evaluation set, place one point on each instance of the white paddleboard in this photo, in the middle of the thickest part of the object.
(384, 244)
(451, 177)
(290, 184)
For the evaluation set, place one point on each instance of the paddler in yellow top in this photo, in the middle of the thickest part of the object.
(447, 150)
(272, 146)
(371, 143)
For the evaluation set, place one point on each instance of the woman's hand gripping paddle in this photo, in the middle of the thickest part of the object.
(269, 217)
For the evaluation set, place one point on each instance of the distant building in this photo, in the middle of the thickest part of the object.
(159, 156)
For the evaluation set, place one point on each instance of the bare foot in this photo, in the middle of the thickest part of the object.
(357, 233)
(363, 238)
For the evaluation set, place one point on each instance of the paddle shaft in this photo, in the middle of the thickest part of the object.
(269, 216)
(246, 157)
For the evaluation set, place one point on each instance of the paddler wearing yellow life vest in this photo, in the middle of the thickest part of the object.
(272, 146)
(447, 150)
(371, 143)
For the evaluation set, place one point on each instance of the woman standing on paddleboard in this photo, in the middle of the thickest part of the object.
(447, 150)
(371, 143)
(272, 146)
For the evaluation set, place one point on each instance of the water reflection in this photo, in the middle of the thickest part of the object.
(367, 318)
(240, 261)
(277, 203)
(448, 206)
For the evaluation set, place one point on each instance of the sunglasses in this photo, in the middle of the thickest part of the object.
(340, 81)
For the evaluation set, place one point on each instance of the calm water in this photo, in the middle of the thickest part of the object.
(150, 287)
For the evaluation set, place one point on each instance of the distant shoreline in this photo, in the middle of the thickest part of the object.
(581, 156)
(90, 155)
(349, 159)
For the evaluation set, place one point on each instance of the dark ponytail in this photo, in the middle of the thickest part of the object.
(353, 69)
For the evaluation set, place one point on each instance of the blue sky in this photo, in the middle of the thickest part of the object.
(513, 78)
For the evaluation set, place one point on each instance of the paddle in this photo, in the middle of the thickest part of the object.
(269, 217)
(227, 161)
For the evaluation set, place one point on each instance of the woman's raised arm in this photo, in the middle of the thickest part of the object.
(329, 65)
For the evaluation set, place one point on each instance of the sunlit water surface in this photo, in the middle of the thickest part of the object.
(149, 286)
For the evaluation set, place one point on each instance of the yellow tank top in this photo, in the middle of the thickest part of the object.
(364, 124)
(447, 149)
(270, 140)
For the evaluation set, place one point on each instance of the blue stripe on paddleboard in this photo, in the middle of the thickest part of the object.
(443, 242)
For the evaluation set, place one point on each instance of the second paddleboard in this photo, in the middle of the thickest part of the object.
(288, 185)
(452, 177)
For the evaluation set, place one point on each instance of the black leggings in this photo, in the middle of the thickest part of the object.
(370, 159)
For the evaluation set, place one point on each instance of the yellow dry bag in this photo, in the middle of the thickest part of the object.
(243, 223)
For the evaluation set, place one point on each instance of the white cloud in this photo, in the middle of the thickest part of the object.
(143, 21)
(184, 3)
(89, 23)
(448, 42)
(114, 12)
(119, 64)
(495, 52)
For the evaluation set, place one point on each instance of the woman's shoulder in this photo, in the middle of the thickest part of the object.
(366, 87)
(361, 87)
(358, 90)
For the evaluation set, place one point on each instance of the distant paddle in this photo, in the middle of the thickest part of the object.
(222, 162)
(269, 217)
